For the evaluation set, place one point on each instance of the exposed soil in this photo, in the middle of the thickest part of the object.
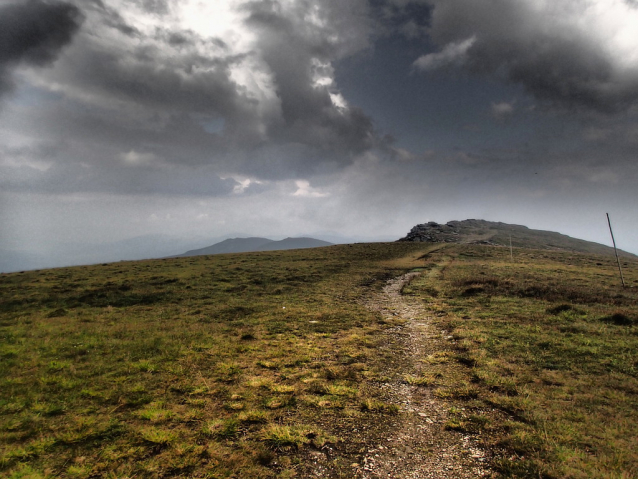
(413, 443)
(418, 446)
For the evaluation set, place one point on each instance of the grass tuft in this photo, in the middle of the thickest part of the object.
(283, 437)
(426, 380)
(157, 436)
(372, 405)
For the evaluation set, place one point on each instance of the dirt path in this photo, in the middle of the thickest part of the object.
(417, 444)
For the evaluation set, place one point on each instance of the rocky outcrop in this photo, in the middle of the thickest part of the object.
(468, 231)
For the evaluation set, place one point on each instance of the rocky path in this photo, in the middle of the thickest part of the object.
(417, 445)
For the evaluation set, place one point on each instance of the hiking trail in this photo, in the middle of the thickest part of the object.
(417, 445)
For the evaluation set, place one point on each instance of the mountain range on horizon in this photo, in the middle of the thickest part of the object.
(252, 244)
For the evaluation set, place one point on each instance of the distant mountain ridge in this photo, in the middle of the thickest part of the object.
(496, 233)
(245, 245)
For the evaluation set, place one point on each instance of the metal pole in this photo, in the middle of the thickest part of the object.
(615, 251)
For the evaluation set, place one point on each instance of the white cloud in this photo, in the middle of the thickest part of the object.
(577, 53)
(136, 158)
(502, 109)
(21, 160)
(304, 190)
(401, 154)
(453, 54)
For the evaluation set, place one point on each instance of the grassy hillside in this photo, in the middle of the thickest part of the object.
(242, 365)
(551, 339)
(497, 233)
(244, 245)
(217, 366)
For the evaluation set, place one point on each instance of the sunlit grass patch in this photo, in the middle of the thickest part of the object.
(260, 382)
(439, 357)
(25, 471)
(49, 409)
(253, 417)
(79, 471)
(234, 406)
(373, 405)
(155, 413)
(221, 428)
(30, 450)
(342, 390)
(145, 366)
(283, 388)
(284, 437)
(279, 401)
(157, 436)
(426, 379)
(268, 364)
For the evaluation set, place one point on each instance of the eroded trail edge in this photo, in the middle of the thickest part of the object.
(417, 443)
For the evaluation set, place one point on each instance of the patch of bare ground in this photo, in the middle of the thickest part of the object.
(418, 445)
(415, 360)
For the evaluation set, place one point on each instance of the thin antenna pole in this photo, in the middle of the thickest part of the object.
(615, 251)
(511, 252)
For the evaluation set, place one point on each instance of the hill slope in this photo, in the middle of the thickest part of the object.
(498, 234)
(245, 245)
(231, 245)
(250, 365)
(294, 243)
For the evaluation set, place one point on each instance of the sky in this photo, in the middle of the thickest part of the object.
(135, 128)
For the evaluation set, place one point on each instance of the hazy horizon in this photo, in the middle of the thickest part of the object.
(150, 247)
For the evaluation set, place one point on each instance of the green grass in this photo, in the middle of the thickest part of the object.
(194, 367)
(550, 339)
(241, 365)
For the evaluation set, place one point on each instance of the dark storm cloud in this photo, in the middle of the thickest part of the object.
(111, 17)
(546, 49)
(34, 33)
(296, 52)
(168, 110)
(161, 7)
(406, 17)
(165, 70)
(268, 108)
(188, 82)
